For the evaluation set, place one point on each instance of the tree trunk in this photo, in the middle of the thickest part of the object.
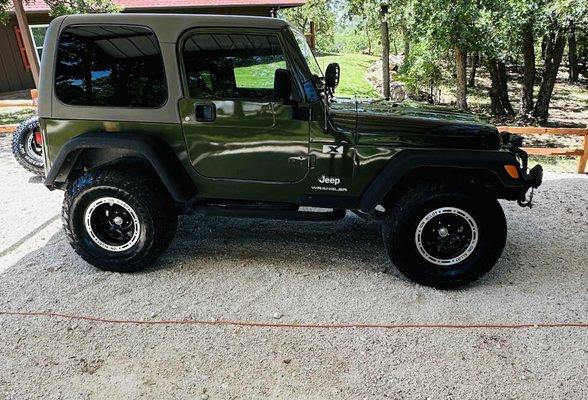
(573, 56)
(385, 52)
(504, 99)
(475, 60)
(303, 25)
(495, 99)
(406, 43)
(529, 69)
(461, 61)
(369, 38)
(544, 46)
(553, 55)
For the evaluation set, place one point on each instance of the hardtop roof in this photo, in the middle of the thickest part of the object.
(155, 20)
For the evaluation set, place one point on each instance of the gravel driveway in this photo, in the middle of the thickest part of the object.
(270, 271)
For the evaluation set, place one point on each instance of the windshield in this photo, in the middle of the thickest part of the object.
(307, 54)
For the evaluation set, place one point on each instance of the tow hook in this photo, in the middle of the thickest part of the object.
(525, 201)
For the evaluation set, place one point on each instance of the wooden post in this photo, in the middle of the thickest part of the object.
(312, 36)
(584, 157)
(385, 51)
(27, 38)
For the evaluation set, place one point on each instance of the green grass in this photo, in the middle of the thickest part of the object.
(555, 163)
(15, 117)
(259, 76)
(353, 73)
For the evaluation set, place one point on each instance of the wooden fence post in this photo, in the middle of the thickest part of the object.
(584, 157)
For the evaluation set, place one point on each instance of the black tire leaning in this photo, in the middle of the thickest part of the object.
(21, 136)
(404, 215)
(150, 201)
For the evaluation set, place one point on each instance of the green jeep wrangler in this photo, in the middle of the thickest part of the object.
(145, 117)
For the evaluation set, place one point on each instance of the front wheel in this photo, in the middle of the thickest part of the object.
(444, 235)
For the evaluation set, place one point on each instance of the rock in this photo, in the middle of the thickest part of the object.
(54, 268)
(277, 315)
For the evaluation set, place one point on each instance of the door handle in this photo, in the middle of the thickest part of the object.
(205, 112)
(300, 160)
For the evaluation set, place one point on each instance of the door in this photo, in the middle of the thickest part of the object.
(233, 126)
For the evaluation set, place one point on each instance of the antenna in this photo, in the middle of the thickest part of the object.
(326, 106)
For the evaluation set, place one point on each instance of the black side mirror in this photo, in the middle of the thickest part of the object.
(282, 85)
(332, 76)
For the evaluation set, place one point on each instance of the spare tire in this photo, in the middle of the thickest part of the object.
(26, 146)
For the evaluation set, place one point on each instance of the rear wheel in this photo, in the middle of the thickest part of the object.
(444, 235)
(118, 221)
(27, 146)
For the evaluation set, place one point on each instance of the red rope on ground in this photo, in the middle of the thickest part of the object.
(291, 325)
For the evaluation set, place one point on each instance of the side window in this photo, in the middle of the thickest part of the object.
(232, 65)
(110, 65)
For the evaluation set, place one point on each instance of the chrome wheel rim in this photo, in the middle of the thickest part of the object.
(446, 236)
(112, 224)
(32, 149)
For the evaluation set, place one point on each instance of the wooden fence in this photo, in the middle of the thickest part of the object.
(552, 151)
(8, 128)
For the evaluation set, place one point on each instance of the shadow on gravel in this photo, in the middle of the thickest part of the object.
(349, 241)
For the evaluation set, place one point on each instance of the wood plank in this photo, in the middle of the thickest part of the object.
(4, 81)
(11, 79)
(25, 75)
(27, 38)
(538, 130)
(552, 151)
(8, 128)
(16, 103)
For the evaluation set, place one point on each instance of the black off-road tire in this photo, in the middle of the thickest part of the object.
(407, 214)
(28, 155)
(154, 208)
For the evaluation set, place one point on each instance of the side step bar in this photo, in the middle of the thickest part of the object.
(291, 214)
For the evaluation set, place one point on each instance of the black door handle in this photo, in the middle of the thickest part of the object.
(205, 112)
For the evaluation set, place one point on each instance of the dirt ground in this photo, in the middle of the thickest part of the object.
(272, 271)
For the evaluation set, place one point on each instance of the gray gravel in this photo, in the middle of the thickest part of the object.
(290, 272)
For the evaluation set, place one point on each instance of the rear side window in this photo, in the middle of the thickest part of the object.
(111, 66)
(232, 65)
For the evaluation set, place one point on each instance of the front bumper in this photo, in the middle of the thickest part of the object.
(531, 179)
(535, 176)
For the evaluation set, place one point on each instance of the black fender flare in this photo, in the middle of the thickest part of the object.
(405, 161)
(157, 152)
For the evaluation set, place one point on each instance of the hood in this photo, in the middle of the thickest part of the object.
(411, 124)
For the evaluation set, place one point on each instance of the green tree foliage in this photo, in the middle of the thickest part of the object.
(63, 7)
(322, 13)
(422, 72)
(364, 16)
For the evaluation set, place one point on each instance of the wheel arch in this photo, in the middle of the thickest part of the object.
(482, 169)
(93, 150)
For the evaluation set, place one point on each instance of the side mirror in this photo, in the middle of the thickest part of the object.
(282, 85)
(332, 76)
